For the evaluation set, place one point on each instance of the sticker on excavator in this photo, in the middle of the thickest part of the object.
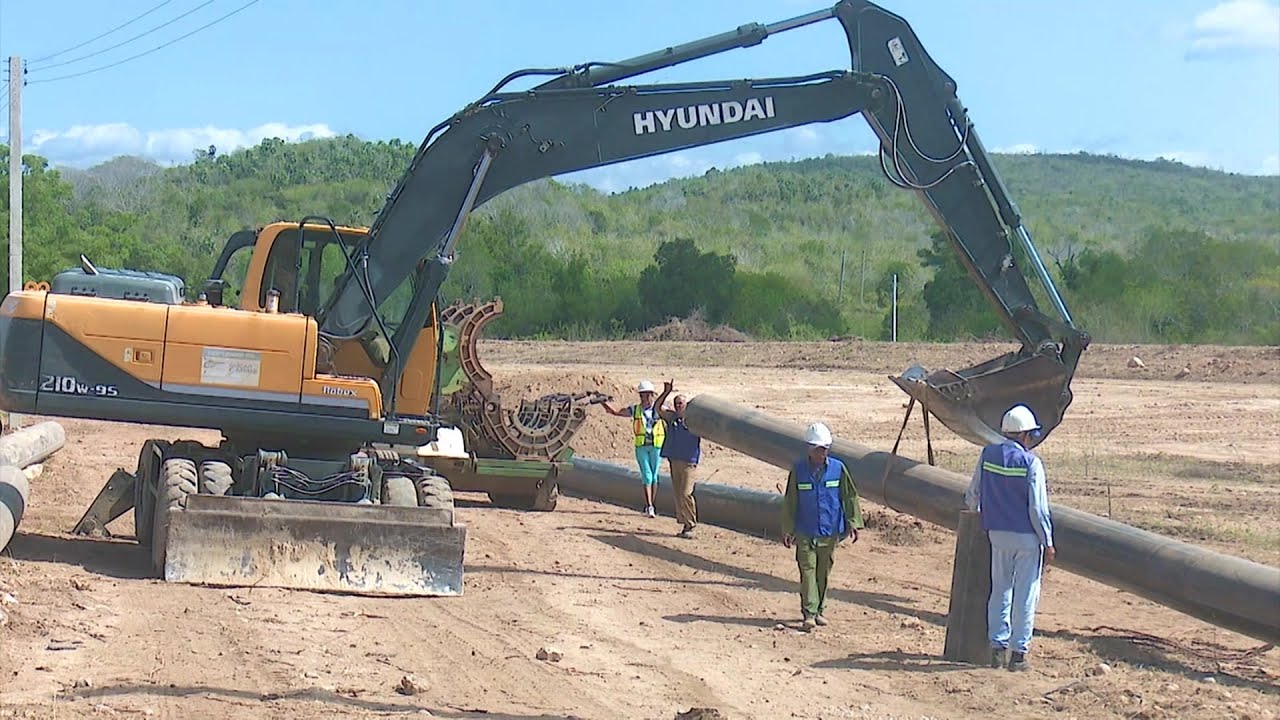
(321, 546)
(227, 366)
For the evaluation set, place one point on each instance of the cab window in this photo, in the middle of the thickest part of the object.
(322, 264)
(314, 265)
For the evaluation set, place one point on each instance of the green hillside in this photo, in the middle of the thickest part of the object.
(1144, 251)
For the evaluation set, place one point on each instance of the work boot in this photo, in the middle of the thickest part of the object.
(821, 619)
(1018, 662)
(997, 658)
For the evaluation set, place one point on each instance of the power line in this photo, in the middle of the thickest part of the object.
(99, 37)
(147, 52)
(126, 42)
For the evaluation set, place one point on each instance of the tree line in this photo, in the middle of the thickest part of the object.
(1141, 251)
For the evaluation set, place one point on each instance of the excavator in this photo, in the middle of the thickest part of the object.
(338, 458)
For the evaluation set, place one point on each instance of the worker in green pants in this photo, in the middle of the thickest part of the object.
(819, 511)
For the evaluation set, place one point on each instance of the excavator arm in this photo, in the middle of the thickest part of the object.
(579, 119)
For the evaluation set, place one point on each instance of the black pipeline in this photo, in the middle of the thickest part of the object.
(1226, 591)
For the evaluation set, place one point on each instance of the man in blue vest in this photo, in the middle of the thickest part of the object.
(819, 510)
(682, 449)
(1009, 491)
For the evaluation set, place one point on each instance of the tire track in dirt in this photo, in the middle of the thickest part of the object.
(730, 626)
(601, 659)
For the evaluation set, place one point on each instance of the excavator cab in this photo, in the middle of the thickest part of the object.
(304, 263)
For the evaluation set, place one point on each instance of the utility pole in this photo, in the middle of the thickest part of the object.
(15, 173)
(840, 291)
(895, 307)
(862, 282)
(15, 421)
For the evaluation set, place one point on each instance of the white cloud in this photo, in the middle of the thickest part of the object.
(1194, 158)
(748, 158)
(1271, 165)
(806, 136)
(86, 145)
(1018, 149)
(1236, 26)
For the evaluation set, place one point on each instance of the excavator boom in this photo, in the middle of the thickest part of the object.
(579, 120)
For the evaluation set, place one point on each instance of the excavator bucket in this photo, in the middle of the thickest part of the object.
(972, 402)
(349, 548)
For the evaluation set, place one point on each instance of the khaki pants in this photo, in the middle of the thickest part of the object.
(682, 487)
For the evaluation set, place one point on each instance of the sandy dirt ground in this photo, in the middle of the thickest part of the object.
(651, 625)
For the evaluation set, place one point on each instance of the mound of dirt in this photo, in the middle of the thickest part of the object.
(1204, 364)
(894, 528)
(602, 436)
(694, 328)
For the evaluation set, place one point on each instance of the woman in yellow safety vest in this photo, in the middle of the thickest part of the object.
(648, 430)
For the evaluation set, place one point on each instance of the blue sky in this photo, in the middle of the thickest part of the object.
(1192, 80)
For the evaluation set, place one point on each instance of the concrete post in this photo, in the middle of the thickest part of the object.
(970, 587)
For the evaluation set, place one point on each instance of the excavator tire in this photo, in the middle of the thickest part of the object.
(178, 479)
(146, 487)
(215, 477)
(434, 491)
(398, 490)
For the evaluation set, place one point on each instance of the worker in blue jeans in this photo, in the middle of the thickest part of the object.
(648, 430)
(1009, 492)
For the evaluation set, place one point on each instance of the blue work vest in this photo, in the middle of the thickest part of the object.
(819, 512)
(1006, 488)
(680, 444)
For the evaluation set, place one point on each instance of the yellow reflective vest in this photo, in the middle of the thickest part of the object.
(659, 429)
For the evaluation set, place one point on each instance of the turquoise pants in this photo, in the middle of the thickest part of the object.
(649, 459)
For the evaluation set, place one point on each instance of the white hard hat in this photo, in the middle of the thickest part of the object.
(1019, 419)
(818, 434)
(645, 386)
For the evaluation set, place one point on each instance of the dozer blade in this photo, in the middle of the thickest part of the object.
(972, 402)
(308, 545)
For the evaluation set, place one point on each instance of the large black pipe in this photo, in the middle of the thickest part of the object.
(749, 511)
(1226, 591)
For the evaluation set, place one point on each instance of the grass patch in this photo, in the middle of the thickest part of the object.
(1097, 468)
(1205, 530)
